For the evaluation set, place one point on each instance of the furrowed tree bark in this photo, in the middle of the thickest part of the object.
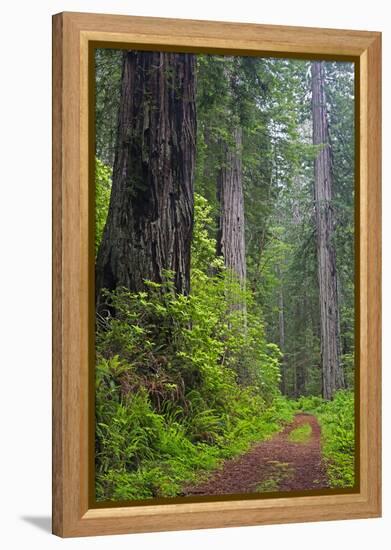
(230, 236)
(150, 219)
(332, 373)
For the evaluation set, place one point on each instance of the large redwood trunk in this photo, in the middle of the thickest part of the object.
(150, 219)
(230, 238)
(332, 373)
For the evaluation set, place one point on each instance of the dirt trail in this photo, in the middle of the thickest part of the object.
(279, 464)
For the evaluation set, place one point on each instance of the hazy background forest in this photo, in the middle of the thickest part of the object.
(224, 269)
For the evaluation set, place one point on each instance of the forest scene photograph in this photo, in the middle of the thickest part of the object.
(224, 275)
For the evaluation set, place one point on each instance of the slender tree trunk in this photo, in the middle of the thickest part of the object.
(332, 373)
(150, 219)
(230, 237)
(295, 395)
(301, 374)
(281, 326)
(302, 370)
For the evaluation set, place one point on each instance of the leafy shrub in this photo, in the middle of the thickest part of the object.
(102, 198)
(181, 381)
(309, 403)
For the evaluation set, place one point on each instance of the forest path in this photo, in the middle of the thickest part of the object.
(290, 461)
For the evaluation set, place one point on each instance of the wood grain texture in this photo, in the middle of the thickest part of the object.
(57, 481)
(212, 34)
(71, 270)
(370, 230)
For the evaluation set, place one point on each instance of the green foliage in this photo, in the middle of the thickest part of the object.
(108, 68)
(180, 384)
(203, 245)
(336, 418)
(281, 251)
(102, 199)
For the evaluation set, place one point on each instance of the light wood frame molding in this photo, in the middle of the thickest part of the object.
(72, 33)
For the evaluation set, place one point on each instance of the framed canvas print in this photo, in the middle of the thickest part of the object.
(216, 274)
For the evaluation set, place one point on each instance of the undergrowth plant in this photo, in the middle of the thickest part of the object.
(182, 382)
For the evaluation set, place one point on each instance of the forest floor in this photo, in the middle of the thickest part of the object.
(290, 461)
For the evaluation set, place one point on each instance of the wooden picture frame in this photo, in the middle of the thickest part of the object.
(72, 298)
